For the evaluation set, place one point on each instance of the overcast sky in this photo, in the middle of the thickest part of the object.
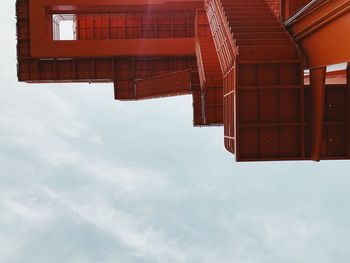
(86, 179)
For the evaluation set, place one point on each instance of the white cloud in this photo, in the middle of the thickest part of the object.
(126, 229)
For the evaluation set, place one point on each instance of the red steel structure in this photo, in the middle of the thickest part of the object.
(243, 62)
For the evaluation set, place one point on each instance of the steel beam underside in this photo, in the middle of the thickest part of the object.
(43, 46)
(323, 33)
(145, 68)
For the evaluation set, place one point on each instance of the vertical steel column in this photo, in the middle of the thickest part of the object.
(318, 86)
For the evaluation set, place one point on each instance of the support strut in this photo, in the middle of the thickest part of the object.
(318, 84)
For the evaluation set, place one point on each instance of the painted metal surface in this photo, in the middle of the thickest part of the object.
(290, 7)
(242, 67)
(210, 75)
(317, 95)
(227, 52)
(264, 96)
(133, 75)
(172, 84)
(275, 6)
(96, 22)
(322, 30)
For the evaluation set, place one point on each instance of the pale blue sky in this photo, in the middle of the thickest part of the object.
(85, 179)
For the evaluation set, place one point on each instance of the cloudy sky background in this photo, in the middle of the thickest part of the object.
(84, 178)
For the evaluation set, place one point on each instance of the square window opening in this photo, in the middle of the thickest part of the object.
(64, 27)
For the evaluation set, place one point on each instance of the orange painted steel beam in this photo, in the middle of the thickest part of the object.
(323, 32)
(207, 58)
(318, 82)
(173, 84)
(263, 90)
(41, 36)
(105, 48)
(131, 70)
(78, 61)
(336, 123)
(210, 75)
(110, 69)
(227, 51)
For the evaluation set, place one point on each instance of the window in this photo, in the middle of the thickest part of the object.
(64, 27)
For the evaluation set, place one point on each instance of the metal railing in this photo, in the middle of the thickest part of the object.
(304, 10)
